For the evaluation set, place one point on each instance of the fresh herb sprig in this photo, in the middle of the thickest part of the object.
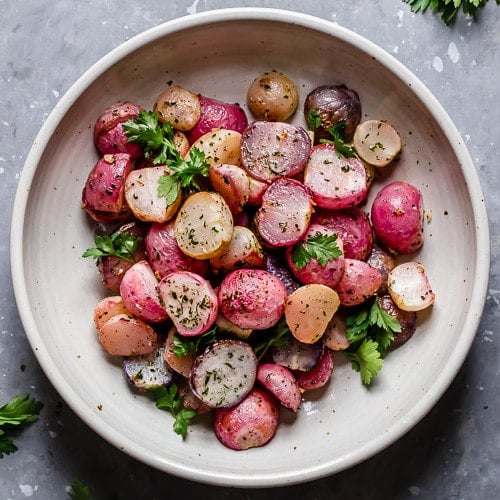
(337, 132)
(370, 331)
(157, 140)
(448, 9)
(20, 410)
(119, 244)
(322, 247)
(277, 336)
(79, 491)
(169, 398)
(184, 346)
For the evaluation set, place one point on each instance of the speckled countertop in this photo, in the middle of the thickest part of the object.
(453, 453)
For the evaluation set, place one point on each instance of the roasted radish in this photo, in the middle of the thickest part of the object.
(249, 424)
(204, 225)
(179, 107)
(358, 283)
(252, 298)
(189, 301)
(319, 374)
(280, 382)
(284, 215)
(270, 150)
(409, 287)
(224, 374)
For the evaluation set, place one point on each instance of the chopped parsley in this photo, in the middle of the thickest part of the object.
(370, 331)
(120, 244)
(322, 247)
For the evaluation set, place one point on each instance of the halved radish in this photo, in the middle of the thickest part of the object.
(224, 374)
(189, 301)
(409, 287)
(280, 382)
(204, 225)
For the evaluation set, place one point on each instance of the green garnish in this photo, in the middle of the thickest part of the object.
(192, 345)
(157, 140)
(20, 410)
(321, 247)
(168, 398)
(79, 491)
(337, 132)
(120, 244)
(448, 8)
(278, 336)
(370, 331)
(313, 119)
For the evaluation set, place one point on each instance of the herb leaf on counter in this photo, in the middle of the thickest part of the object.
(20, 410)
(448, 8)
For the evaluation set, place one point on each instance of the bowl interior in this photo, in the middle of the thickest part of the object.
(219, 55)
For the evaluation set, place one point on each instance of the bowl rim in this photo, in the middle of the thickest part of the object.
(225, 15)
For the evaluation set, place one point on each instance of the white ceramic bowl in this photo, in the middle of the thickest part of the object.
(218, 54)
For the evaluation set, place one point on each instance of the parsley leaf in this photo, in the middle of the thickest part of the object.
(322, 247)
(158, 143)
(370, 327)
(366, 360)
(79, 491)
(313, 119)
(156, 138)
(448, 8)
(337, 132)
(120, 244)
(168, 398)
(278, 336)
(184, 346)
(20, 410)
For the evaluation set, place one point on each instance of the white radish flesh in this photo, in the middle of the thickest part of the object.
(204, 225)
(141, 193)
(284, 215)
(179, 107)
(190, 302)
(377, 142)
(220, 146)
(232, 183)
(308, 311)
(108, 307)
(224, 374)
(336, 183)
(409, 287)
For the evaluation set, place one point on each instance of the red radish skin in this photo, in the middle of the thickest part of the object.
(353, 228)
(218, 114)
(109, 135)
(270, 150)
(139, 291)
(313, 271)
(124, 335)
(252, 423)
(397, 217)
(252, 298)
(335, 183)
(280, 382)
(358, 283)
(164, 254)
(319, 375)
(284, 215)
(103, 196)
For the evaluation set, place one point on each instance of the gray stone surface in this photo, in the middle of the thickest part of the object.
(454, 452)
